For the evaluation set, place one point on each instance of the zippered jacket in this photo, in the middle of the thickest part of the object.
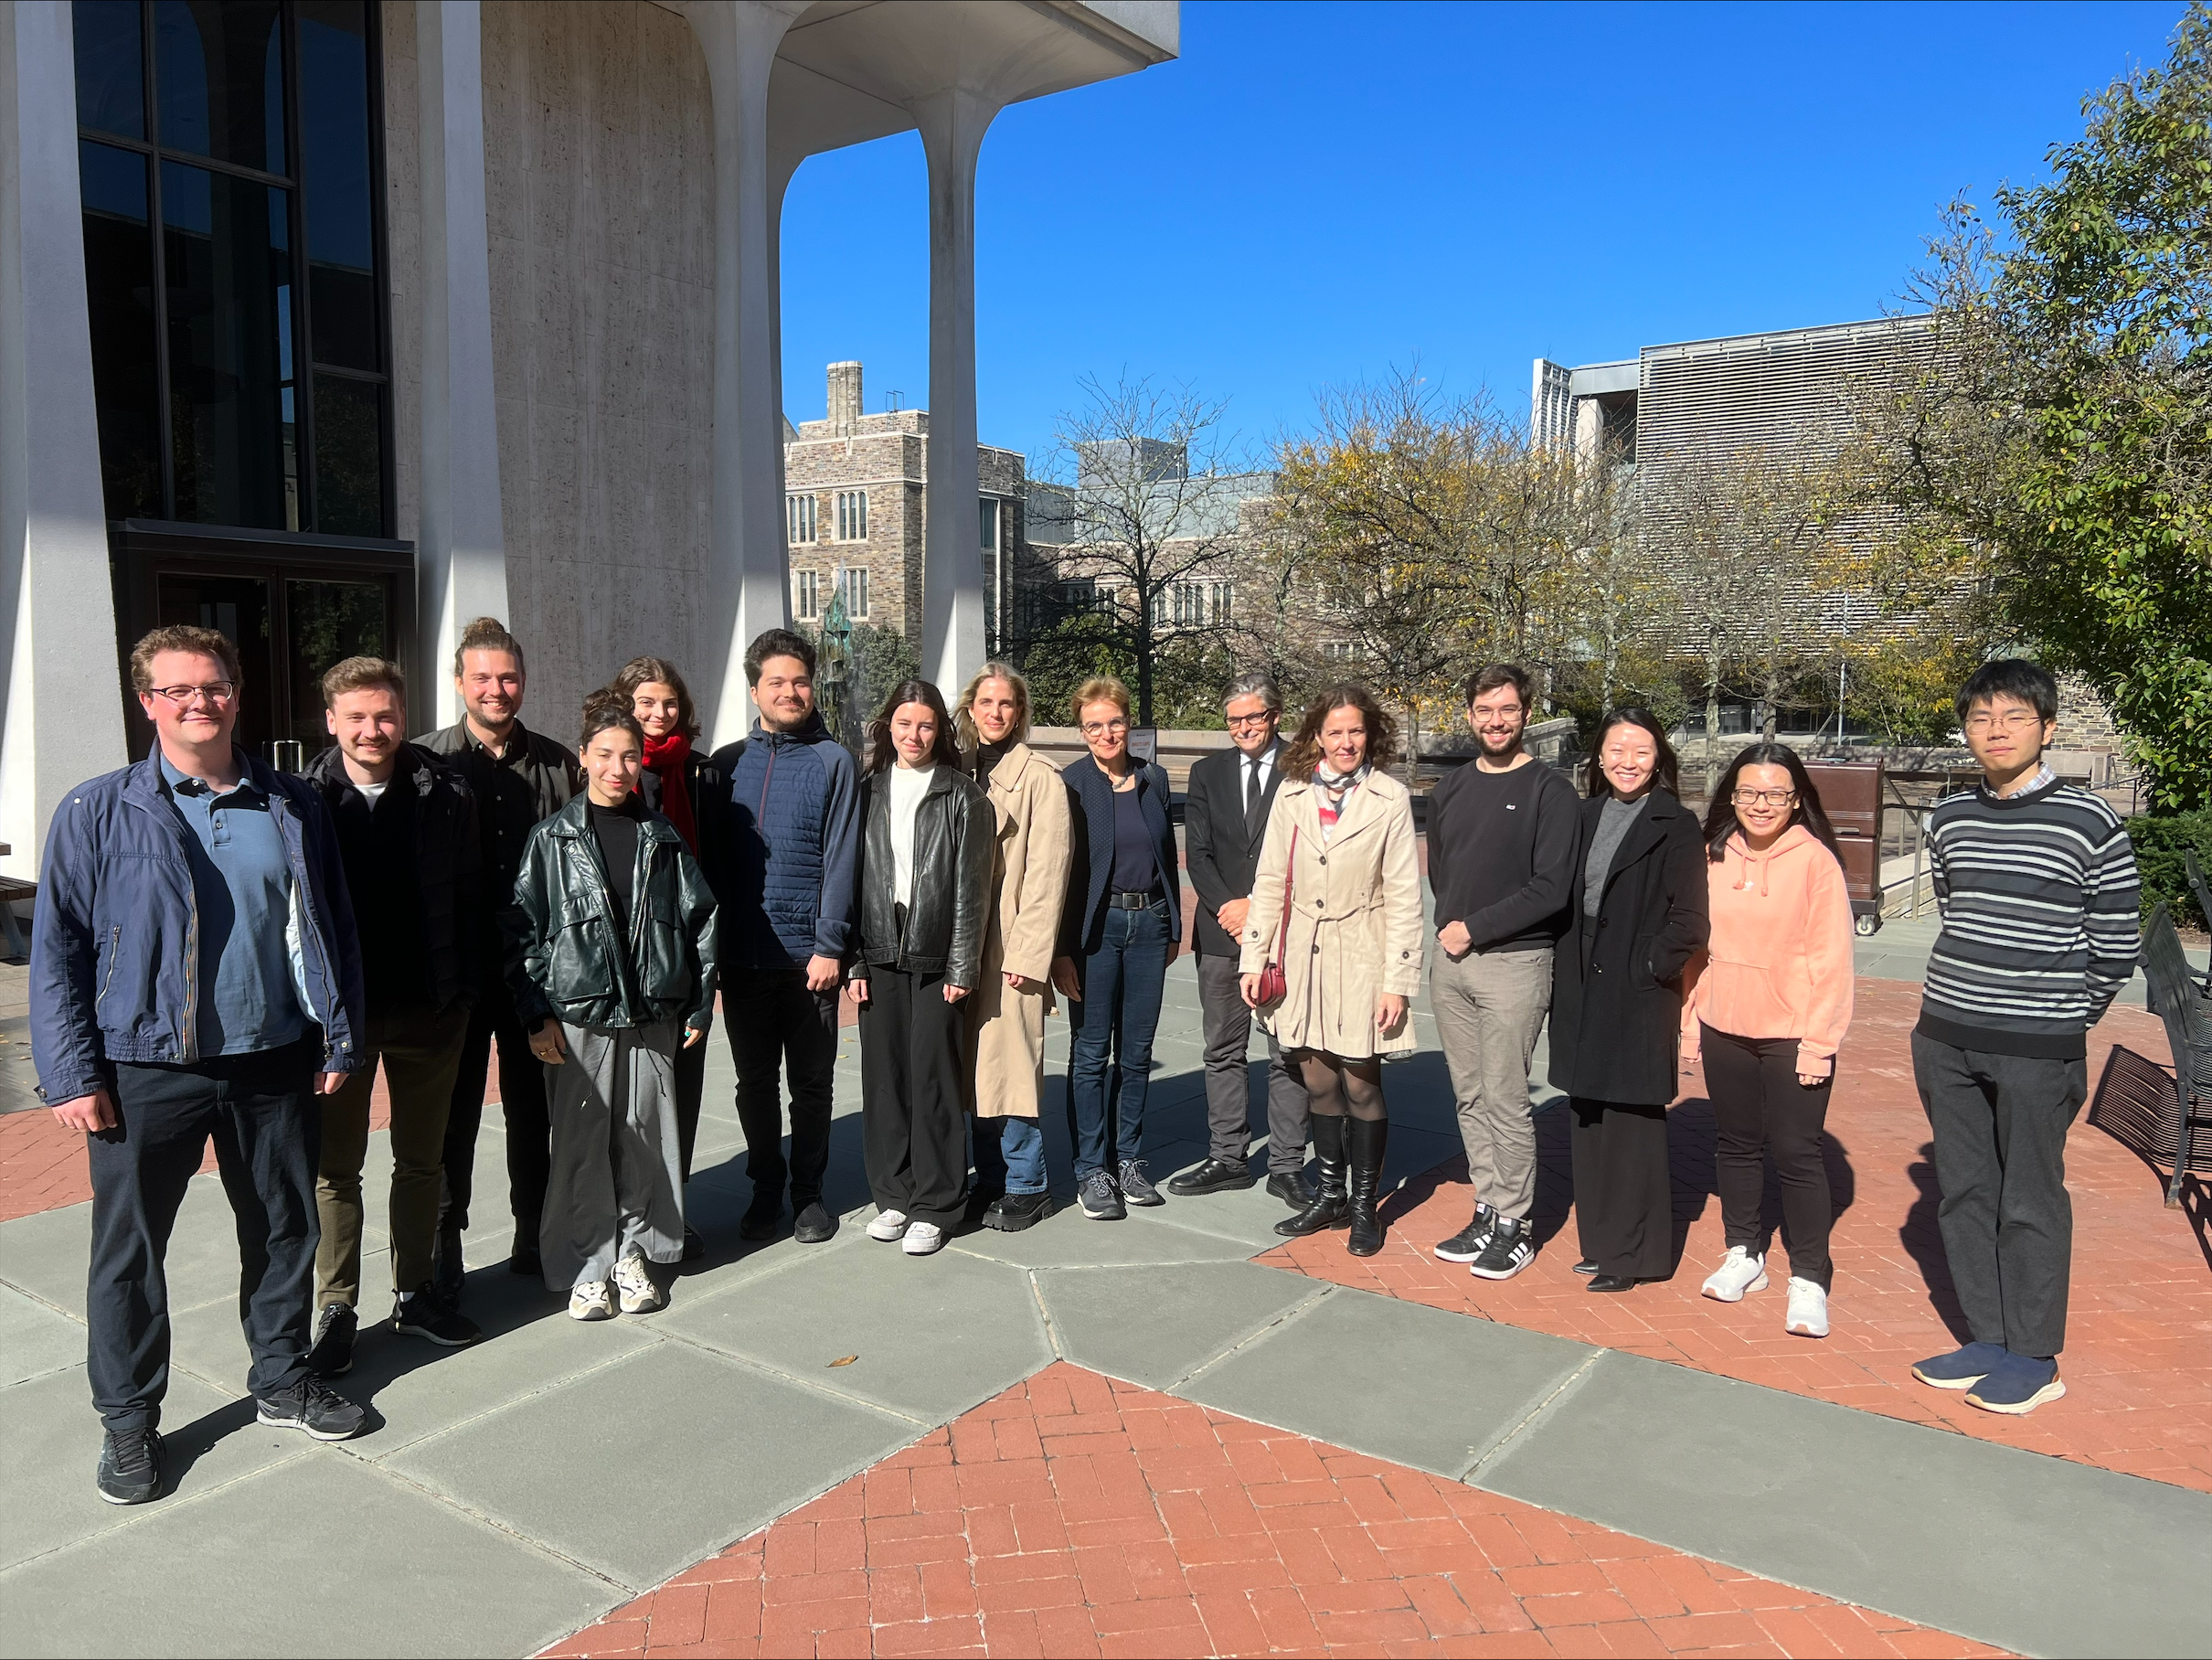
(115, 938)
(955, 838)
(565, 958)
(787, 849)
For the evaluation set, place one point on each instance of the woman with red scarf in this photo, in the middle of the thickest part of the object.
(680, 784)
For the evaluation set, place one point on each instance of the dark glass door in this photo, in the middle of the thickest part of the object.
(237, 608)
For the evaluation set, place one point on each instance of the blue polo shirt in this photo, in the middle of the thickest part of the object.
(241, 888)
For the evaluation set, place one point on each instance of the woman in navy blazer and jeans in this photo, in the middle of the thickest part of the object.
(1124, 925)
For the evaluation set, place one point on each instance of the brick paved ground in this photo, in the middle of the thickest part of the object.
(2139, 1391)
(1075, 1514)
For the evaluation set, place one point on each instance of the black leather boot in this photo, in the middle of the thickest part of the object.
(1327, 1209)
(1365, 1138)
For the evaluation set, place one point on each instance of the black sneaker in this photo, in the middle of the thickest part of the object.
(1012, 1212)
(333, 1353)
(1215, 1176)
(322, 1413)
(764, 1219)
(813, 1224)
(694, 1246)
(447, 1266)
(1505, 1252)
(523, 1257)
(1099, 1201)
(1135, 1185)
(1291, 1187)
(1467, 1244)
(130, 1466)
(424, 1313)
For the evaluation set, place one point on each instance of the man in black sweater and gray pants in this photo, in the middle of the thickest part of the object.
(2039, 894)
(1501, 857)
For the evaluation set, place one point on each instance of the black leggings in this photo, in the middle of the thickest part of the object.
(1333, 1084)
(1759, 1107)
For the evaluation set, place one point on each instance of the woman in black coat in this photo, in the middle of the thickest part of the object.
(1636, 917)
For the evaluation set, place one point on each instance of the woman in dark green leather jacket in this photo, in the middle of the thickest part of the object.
(611, 957)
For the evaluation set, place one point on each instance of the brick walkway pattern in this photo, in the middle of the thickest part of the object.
(2139, 1393)
(1078, 1515)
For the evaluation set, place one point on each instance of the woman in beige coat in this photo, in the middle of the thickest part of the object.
(1029, 881)
(1350, 944)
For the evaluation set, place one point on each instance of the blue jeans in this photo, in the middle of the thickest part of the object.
(1109, 1050)
(1009, 1155)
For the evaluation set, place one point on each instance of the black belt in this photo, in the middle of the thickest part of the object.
(1134, 902)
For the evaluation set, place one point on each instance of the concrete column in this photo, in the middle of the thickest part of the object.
(461, 564)
(748, 586)
(63, 718)
(952, 126)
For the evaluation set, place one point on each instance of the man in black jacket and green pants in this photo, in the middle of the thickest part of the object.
(407, 838)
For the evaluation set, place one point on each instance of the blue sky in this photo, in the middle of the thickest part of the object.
(1314, 193)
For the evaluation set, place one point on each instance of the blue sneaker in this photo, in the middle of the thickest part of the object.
(1963, 1369)
(2019, 1386)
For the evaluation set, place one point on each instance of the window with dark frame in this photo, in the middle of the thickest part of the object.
(230, 171)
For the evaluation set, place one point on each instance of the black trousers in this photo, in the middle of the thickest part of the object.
(522, 1101)
(690, 1094)
(1760, 1108)
(267, 1125)
(1624, 1205)
(2000, 1123)
(913, 1119)
(777, 1028)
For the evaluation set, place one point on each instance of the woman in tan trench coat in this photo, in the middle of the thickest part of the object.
(1342, 835)
(1030, 880)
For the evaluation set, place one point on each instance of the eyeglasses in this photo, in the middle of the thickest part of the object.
(216, 692)
(1099, 728)
(1763, 798)
(2018, 720)
(1251, 720)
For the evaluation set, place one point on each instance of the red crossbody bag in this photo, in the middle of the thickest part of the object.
(1274, 985)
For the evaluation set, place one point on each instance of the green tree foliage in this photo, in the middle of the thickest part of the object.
(2061, 439)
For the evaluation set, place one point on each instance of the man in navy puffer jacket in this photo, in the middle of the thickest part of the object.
(785, 887)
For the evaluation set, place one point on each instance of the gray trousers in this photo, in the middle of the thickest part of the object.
(2000, 1123)
(1229, 1101)
(1489, 1008)
(617, 1184)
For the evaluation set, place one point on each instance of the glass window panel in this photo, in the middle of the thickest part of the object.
(119, 297)
(334, 175)
(219, 79)
(987, 522)
(327, 622)
(349, 456)
(110, 67)
(237, 607)
(228, 294)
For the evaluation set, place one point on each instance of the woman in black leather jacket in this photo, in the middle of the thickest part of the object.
(927, 835)
(611, 960)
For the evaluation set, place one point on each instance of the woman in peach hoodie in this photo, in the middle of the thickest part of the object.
(1768, 1004)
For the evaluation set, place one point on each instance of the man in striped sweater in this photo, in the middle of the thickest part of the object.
(2036, 881)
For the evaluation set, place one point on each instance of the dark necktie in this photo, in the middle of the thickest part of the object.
(1251, 795)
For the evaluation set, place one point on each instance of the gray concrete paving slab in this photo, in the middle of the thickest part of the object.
(54, 1437)
(325, 1556)
(2035, 1554)
(1452, 1388)
(709, 1448)
(1068, 1238)
(46, 1254)
(36, 1339)
(934, 1335)
(1155, 1326)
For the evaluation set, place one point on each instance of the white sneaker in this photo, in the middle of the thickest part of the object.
(1808, 1315)
(590, 1301)
(887, 1226)
(640, 1295)
(1738, 1272)
(923, 1237)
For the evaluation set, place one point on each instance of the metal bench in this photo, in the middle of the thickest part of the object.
(11, 889)
(2204, 893)
(2166, 1120)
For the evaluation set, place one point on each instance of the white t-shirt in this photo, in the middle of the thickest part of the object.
(373, 793)
(909, 785)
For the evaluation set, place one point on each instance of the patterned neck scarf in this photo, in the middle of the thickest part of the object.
(1331, 790)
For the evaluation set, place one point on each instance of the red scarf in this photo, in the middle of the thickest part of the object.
(669, 758)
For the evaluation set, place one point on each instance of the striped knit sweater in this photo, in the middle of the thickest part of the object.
(2039, 900)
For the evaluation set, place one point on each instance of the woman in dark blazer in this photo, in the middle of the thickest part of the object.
(1124, 924)
(1636, 917)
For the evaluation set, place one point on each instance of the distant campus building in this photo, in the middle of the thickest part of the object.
(335, 324)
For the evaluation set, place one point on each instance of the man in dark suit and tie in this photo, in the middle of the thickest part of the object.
(1225, 817)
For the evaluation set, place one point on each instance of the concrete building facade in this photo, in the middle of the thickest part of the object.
(336, 322)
